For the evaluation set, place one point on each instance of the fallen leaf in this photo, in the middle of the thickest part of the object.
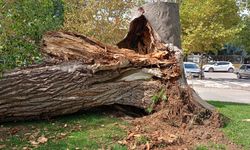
(137, 135)
(173, 136)
(27, 134)
(124, 142)
(34, 143)
(2, 146)
(42, 140)
(130, 135)
(14, 131)
(32, 137)
(63, 134)
(133, 147)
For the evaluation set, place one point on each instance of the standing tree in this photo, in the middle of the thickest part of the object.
(208, 24)
(22, 25)
(242, 38)
(104, 20)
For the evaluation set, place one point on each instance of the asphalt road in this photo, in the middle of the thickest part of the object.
(222, 87)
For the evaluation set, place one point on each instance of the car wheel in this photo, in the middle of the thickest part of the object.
(239, 76)
(211, 70)
(231, 70)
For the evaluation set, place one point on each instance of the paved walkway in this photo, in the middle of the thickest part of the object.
(225, 95)
(240, 84)
(222, 87)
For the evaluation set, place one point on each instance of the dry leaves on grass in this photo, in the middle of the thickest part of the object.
(41, 140)
(2, 146)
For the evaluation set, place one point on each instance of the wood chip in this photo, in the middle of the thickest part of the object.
(148, 146)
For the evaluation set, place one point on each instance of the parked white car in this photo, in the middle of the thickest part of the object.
(219, 66)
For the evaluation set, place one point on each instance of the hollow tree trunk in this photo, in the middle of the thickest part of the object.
(81, 73)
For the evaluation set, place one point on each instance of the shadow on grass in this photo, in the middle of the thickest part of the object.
(96, 112)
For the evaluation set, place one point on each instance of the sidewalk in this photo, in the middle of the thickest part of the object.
(225, 95)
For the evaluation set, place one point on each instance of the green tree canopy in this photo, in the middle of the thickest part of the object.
(22, 24)
(208, 24)
(243, 37)
(106, 20)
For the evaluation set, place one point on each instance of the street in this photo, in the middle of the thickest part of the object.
(222, 87)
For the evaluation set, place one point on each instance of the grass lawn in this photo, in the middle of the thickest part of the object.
(94, 130)
(88, 131)
(237, 129)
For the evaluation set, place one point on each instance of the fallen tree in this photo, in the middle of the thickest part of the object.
(81, 73)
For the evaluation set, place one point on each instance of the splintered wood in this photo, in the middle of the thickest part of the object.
(83, 73)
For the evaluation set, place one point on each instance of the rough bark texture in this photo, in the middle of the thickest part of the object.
(82, 74)
(165, 21)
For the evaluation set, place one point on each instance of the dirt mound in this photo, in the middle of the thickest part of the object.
(165, 130)
(152, 132)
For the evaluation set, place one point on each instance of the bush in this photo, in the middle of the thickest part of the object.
(104, 20)
(22, 24)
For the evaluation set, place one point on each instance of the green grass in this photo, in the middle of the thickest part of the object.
(97, 131)
(236, 129)
(88, 131)
(210, 146)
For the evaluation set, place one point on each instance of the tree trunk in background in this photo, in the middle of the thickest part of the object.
(81, 73)
(165, 20)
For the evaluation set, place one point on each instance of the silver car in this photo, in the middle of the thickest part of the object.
(192, 69)
(244, 71)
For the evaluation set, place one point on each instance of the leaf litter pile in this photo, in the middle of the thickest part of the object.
(157, 132)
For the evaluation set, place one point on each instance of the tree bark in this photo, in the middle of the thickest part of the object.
(84, 74)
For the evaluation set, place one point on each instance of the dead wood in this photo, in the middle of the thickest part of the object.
(84, 74)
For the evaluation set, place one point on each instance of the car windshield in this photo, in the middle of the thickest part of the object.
(191, 66)
(243, 67)
(211, 63)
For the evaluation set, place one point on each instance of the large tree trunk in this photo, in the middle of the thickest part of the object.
(81, 73)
